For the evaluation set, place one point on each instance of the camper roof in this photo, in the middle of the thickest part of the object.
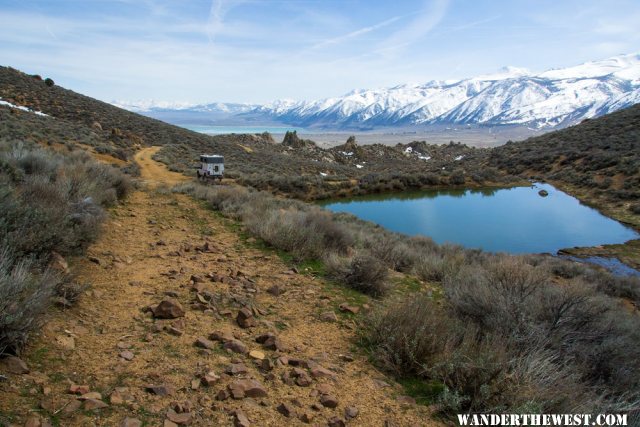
(212, 158)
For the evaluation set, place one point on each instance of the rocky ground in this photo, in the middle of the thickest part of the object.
(185, 321)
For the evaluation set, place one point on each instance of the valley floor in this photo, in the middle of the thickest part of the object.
(163, 245)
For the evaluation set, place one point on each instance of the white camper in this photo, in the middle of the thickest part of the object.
(211, 166)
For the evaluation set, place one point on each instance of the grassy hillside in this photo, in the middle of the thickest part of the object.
(597, 160)
(295, 167)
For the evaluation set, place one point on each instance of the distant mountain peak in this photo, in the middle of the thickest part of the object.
(510, 96)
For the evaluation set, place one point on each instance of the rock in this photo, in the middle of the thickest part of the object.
(195, 384)
(222, 336)
(270, 342)
(131, 422)
(543, 193)
(93, 404)
(169, 423)
(329, 316)
(328, 401)
(276, 290)
(161, 390)
(246, 388)
(210, 378)
(172, 330)
(245, 318)
(72, 407)
(236, 346)
(346, 308)
(240, 419)
(78, 389)
(205, 343)
(127, 355)
(91, 395)
(306, 417)
(286, 409)
(120, 395)
(335, 422)
(301, 377)
(33, 421)
(324, 389)
(223, 394)
(236, 369)
(168, 309)
(255, 354)
(14, 365)
(351, 412)
(267, 365)
(182, 419)
(66, 342)
(320, 372)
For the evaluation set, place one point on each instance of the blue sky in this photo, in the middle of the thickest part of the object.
(261, 50)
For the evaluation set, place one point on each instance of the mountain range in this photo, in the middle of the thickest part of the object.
(512, 96)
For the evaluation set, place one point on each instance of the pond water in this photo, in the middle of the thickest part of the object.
(513, 220)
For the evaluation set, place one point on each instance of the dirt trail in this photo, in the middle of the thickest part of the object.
(154, 247)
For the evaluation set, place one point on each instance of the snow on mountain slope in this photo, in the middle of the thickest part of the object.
(509, 96)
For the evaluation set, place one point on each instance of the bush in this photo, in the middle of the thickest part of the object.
(363, 273)
(49, 82)
(48, 202)
(24, 296)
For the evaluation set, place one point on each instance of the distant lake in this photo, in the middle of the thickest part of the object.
(220, 130)
(514, 220)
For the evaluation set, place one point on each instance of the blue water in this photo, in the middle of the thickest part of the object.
(219, 130)
(514, 220)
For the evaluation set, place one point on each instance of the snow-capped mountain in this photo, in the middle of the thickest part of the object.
(511, 96)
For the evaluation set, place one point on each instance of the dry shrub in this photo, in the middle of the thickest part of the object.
(362, 272)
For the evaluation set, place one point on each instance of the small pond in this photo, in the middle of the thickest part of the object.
(514, 220)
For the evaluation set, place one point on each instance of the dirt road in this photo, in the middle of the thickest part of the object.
(160, 246)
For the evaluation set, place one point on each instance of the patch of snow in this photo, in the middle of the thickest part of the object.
(323, 174)
(459, 158)
(20, 107)
(359, 166)
(408, 150)
(424, 157)
(348, 154)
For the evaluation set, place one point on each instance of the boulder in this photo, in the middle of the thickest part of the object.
(168, 309)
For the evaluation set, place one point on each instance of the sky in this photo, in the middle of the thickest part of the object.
(257, 51)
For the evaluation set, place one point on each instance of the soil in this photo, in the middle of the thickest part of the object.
(161, 245)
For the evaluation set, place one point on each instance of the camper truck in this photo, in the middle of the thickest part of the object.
(211, 167)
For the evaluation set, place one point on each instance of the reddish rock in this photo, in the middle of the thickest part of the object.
(182, 419)
(286, 409)
(320, 372)
(93, 404)
(168, 309)
(306, 417)
(276, 290)
(202, 342)
(336, 422)
(245, 318)
(246, 388)
(267, 365)
(78, 389)
(131, 422)
(236, 369)
(236, 346)
(223, 394)
(328, 400)
(270, 342)
(222, 336)
(210, 378)
(127, 355)
(14, 365)
(240, 419)
(161, 390)
(351, 412)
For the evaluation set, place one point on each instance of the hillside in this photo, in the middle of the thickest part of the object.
(295, 169)
(597, 160)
